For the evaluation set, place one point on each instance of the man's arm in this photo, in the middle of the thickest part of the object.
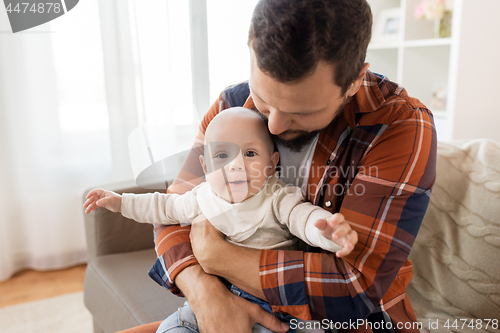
(240, 265)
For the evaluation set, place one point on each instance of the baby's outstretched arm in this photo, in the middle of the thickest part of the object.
(102, 198)
(336, 228)
(153, 208)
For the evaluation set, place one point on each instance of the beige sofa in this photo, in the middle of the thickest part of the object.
(118, 291)
(456, 256)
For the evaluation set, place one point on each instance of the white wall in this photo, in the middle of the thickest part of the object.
(477, 109)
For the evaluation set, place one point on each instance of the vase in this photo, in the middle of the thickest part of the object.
(442, 27)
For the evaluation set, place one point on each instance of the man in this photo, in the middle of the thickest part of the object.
(368, 151)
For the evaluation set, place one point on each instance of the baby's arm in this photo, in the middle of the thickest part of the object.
(332, 233)
(154, 208)
(312, 224)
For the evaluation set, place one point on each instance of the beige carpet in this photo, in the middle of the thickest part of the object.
(59, 314)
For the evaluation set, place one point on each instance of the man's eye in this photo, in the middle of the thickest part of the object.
(221, 155)
(250, 154)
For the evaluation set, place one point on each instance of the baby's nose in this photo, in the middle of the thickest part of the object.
(237, 164)
(236, 167)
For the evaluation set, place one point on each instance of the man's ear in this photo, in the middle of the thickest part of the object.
(275, 157)
(353, 89)
(203, 164)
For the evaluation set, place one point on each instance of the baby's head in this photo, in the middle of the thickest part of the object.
(239, 154)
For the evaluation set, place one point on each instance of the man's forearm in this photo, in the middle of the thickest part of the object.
(193, 281)
(197, 285)
(240, 266)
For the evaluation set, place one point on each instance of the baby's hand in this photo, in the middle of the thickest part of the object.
(338, 230)
(101, 198)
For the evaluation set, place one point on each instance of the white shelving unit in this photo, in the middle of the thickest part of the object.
(424, 64)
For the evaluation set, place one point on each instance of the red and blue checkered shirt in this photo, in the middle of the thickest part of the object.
(376, 165)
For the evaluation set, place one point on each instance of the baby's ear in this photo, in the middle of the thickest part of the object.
(203, 164)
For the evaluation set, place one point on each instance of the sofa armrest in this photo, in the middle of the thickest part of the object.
(107, 232)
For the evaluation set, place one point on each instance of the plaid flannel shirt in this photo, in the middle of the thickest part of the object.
(376, 165)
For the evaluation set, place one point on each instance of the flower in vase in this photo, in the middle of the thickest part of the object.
(439, 11)
(433, 9)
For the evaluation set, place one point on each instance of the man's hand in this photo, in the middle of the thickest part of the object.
(219, 310)
(102, 198)
(207, 243)
(237, 264)
(337, 229)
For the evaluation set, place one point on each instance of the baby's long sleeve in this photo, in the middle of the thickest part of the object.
(315, 237)
(299, 216)
(160, 208)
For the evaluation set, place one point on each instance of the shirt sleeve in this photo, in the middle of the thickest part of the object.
(385, 204)
(161, 208)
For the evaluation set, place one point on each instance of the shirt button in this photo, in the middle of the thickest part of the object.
(328, 203)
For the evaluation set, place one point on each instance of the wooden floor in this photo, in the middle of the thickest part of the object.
(30, 285)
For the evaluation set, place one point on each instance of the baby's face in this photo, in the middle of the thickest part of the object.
(237, 161)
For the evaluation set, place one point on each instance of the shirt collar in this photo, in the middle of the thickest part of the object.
(369, 98)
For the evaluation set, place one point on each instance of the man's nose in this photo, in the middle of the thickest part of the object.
(278, 122)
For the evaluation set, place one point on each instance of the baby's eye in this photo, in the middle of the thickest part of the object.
(250, 154)
(221, 155)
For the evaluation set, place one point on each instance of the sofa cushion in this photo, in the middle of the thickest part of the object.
(456, 256)
(120, 294)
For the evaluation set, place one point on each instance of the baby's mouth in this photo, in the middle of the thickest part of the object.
(238, 182)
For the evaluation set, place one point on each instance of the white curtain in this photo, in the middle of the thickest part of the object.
(63, 129)
(76, 92)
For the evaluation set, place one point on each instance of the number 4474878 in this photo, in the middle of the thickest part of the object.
(471, 323)
(35, 7)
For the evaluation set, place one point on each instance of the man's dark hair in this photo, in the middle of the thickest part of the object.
(290, 37)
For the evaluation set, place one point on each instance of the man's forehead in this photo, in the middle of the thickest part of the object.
(312, 94)
(308, 109)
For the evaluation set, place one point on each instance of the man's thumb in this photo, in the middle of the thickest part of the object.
(272, 322)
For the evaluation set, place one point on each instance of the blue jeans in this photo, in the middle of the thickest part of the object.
(184, 319)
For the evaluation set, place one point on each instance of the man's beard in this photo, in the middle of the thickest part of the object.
(302, 138)
(298, 143)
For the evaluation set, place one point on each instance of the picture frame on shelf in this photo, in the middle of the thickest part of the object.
(387, 26)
